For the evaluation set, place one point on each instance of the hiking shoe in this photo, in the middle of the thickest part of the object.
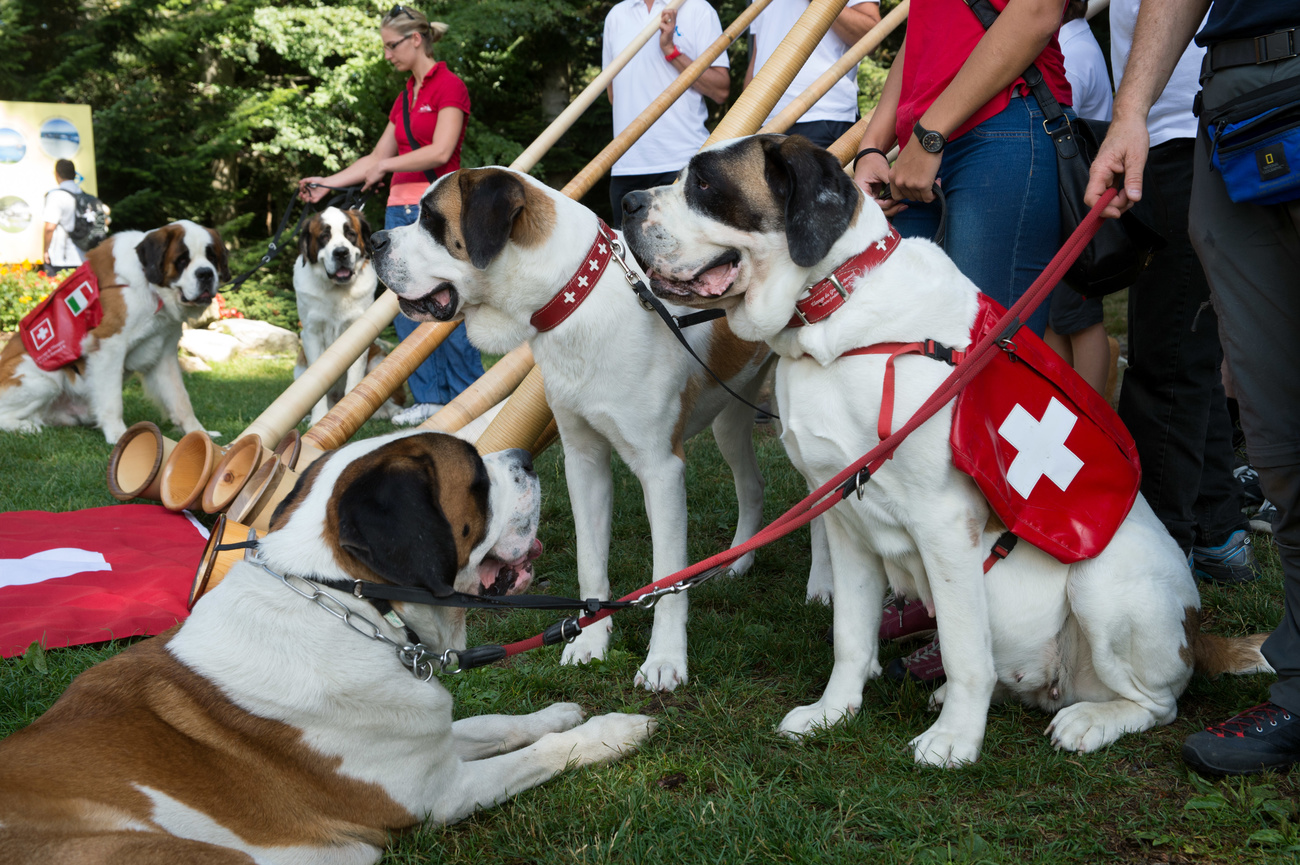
(1264, 737)
(1265, 519)
(1232, 561)
(902, 620)
(418, 413)
(923, 665)
(1251, 493)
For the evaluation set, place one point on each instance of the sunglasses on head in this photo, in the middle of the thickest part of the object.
(400, 10)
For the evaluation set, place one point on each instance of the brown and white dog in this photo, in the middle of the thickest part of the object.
(148, 283)
(334, 282)
(266, 729)
(513, 257)
(1107, 644)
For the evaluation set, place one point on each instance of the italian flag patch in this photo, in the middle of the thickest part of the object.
(80, 298)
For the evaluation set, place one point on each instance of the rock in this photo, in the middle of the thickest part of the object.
(199, 319)
(257, 337)
(190, 363)
(210, 346)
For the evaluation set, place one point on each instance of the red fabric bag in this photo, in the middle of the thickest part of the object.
(52, 332)
(93, 575)
(1048, 452)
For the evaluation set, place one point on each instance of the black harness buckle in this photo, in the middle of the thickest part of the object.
(939, 351)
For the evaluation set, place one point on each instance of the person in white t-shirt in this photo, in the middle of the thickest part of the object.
(656, 157)
(833, 114)
(58, 250)
(1075, 328)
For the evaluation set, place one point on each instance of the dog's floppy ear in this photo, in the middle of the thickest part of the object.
(389, 519)
(819, 197)
(218, 256)
(152, 252)
(490, 203)
(363, 232)
(309, 239)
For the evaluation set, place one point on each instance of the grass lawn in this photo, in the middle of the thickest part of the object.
(715, 784)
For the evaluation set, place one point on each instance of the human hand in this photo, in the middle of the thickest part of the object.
(667, 30)
(871, 174)
(310, 191)
(914, 173)
(375, 175)
(1121, 156)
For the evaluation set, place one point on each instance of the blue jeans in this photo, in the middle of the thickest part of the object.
(1004, 221)
(455, 364)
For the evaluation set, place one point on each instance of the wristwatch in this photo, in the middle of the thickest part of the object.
(931, 141)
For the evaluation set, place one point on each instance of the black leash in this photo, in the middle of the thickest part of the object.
(349, 198)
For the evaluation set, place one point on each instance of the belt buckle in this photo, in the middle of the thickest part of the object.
(1275, 46)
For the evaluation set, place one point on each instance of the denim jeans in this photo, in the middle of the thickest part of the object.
(1004, 221)
(455, 364)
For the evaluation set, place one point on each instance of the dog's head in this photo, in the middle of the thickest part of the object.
(490, 243)
(337, 240)
(757, 215)
(415, 509)
(185, 257)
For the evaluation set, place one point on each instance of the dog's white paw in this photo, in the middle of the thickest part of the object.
(662, 672)
(936, 699)
(214, 434)
(609, 737)
(819, 587)
(112, 432)
(590, 645)
(808, 719)
(1085, 727)
(558, 717)
(939, 746)
(741, 566)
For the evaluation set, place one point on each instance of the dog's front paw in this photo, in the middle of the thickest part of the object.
(806, 720)
(939, 746)
(113, 432)
(589, 646)
(741, 566)
(609, 737)
(662, 672)
(1085, 727)
(558, 717)
(819, 587)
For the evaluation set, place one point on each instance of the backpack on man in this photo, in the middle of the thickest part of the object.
(90, 220)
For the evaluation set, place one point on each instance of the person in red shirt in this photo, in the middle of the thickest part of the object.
(431, 109)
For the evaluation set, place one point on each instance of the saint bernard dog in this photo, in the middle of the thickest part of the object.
(335, 284)
(269, 729)
(521, 261)
(1107, 644)
(148, 284)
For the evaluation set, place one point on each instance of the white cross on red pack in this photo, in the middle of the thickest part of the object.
(1040, 447)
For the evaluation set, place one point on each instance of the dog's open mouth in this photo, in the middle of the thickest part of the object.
(343, 274)
(712, 280)
(438, 305)
(508, 578)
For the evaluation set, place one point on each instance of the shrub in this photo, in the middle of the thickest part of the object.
(22, 287)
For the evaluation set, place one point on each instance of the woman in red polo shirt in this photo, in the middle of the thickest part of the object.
(433, 106)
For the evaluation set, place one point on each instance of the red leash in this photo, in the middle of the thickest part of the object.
(821, 500)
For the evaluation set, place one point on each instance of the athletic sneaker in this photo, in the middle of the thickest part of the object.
(923, 665)
(1265, 519)
(416, 414)
(902, 620)
(1263, 737)
(1251, 493)
(1232, 561)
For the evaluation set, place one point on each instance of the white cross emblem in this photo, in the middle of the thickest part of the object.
(582, 282)
(601, 247)
(1040, 447)
(592, 264)
(881, 244)
(568, 297)
(42, 334)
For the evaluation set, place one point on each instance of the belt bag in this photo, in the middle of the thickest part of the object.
(1122, 247)
(1255, 143)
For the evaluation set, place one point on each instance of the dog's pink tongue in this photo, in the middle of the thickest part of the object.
(714, 281)
(443, 297)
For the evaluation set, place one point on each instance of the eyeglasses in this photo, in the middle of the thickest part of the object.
(392, 46)
(400, 10)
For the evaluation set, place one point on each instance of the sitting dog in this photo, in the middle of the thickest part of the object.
(1107, 644)
(522, 262)
(267, 728)
(148, 284)
(335, 284)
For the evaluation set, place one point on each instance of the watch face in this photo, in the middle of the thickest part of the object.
(932, 142)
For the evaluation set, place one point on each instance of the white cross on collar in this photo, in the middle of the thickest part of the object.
(569, 297)
(582, 282)
(881, 244)
(591, 263)
(1040, 447)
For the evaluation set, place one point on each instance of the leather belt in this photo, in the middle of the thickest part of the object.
(1280, 45)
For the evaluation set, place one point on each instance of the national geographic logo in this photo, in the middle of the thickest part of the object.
(1271, 162)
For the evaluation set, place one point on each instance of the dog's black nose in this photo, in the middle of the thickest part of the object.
(635, 202)
(378, 240)
(341, 253)
(205, 276)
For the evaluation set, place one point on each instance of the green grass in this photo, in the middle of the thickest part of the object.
(715, 784)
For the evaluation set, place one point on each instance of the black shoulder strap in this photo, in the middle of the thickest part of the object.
(1055, 120)
(410, 136)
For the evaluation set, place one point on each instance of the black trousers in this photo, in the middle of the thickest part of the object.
(1172, 398)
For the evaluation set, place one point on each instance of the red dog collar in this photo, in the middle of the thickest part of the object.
(575, 291)
(829, 295)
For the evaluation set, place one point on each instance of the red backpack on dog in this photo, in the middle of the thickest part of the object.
(53, 331)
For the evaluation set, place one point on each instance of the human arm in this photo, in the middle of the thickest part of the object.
(1160, 36)
(872, 171)
(714, 82)
(853, 22)
(45, 247)
(354, 174)
(1014, 41)
(435, 154)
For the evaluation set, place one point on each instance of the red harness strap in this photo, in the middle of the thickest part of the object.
(575, 291)
(830, 293)
(929, 348)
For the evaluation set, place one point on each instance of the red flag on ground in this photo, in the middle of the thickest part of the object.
(93, 575)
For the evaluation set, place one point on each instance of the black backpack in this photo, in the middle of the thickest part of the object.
(89, 221)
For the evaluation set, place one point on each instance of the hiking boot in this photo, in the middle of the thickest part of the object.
(1264, 737)
(1232, 561)
(416, 414)
(923, 665)
(902, 620)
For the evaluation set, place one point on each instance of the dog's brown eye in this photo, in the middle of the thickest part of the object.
(702, 183)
